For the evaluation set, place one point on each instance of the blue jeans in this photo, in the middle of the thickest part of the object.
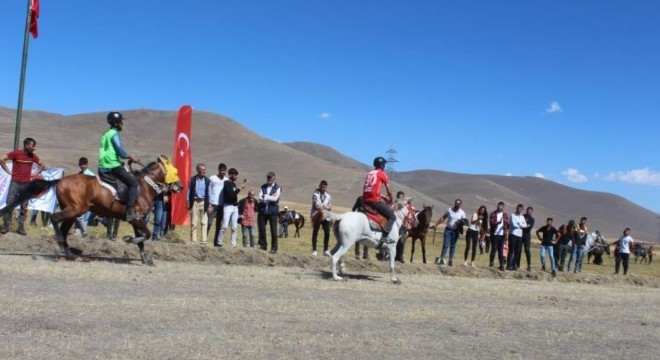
(570, 260)
(449, 241)
(550, 249)
(159, 218)
(579, 256)
(248, 230)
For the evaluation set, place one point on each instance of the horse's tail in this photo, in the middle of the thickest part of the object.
(302, 222)
(35, 188)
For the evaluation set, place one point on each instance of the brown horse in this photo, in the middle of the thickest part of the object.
(80, 193)
(420, 231)
(297, 221)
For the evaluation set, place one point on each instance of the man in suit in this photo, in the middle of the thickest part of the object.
(198, 202)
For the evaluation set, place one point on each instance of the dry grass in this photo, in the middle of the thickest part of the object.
(205, 303)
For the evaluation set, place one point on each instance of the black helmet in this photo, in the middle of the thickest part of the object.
(114, 117)
(379, 162)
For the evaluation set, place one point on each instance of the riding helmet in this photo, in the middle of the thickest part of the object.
(114, 117)
(379, 162)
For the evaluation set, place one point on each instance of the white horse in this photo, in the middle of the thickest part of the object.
(353, 228)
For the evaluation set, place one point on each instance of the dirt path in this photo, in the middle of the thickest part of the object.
(193, 310)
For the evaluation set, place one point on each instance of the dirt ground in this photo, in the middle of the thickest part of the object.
(201, 303)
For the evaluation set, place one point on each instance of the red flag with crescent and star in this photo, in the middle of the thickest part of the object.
(182, 161)
(34, 17)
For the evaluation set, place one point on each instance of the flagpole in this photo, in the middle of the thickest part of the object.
(19, 108)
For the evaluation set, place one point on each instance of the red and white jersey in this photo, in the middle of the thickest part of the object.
(372, 184)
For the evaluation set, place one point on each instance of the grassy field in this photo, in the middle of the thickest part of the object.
(302, 246)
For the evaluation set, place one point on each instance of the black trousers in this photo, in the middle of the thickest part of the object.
(515, 250)
(382, 208)
(15, 189)
(262, 219)
(621, 258)
(326, 234)
(127, 178)
(471, 240)
(497, 247)
(216, 214)
(527, 244)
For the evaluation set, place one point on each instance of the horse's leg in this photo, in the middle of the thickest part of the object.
(336, 257)
(392, 250)
(412, 249)
(141, 234)
(422, 241)
(64, 233)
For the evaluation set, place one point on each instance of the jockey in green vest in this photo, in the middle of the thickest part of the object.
(110, 155)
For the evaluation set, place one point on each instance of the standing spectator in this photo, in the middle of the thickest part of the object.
(515, 238)
(624, 246)
(499, 230)
(81, 221)
(160, 216)
(216, 201)
(321, 201)
(581, 232)
(548, 235)
(230, 208)
(455, 214)
(527, 237)
(566, 239)
(21, 176)
(284, 222)
(198, 203)
(269, 208)
(371, 196)
(478, 226)
(247, 208)
(579, 249)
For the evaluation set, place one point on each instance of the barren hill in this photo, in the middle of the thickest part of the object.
(299, 166)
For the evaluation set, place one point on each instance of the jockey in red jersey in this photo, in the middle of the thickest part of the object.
(376, 178)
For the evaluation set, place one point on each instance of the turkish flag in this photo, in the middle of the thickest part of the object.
(34, 16)
(182, 161)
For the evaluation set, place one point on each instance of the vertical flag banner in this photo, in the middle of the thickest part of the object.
(34, 17)
(182, 162)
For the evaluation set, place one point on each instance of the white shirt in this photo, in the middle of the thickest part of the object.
(624, 244)
(320, 201)
(215, 189)
(499, 227)
(517, 223)
(453, 217)
(475, 223)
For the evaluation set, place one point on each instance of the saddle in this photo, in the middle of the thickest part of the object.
(117, 187)
(377, 222)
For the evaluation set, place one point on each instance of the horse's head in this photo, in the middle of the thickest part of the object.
(164, 175)
(424, 216)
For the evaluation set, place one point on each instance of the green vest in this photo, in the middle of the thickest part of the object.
(108, 158)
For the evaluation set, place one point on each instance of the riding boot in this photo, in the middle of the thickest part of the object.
(386, 239)
(131, 214)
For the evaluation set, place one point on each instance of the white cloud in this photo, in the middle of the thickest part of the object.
(554, 108)
(508, 174)
(644, 176)
(539, 175)
(325, 116)
(573, 175)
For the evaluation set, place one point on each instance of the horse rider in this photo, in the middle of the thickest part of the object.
(375, 179)
(111, 153)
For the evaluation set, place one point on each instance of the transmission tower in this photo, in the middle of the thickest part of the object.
(391, 159)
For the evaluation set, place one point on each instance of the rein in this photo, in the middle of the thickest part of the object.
(158, 187)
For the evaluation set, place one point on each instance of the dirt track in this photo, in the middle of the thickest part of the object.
(113, 308)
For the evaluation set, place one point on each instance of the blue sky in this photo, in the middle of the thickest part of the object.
(567, 90)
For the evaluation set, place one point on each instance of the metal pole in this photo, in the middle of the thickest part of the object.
(21, 86)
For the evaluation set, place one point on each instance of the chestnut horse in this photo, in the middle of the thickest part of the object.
(78, 193)
(420, 231)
